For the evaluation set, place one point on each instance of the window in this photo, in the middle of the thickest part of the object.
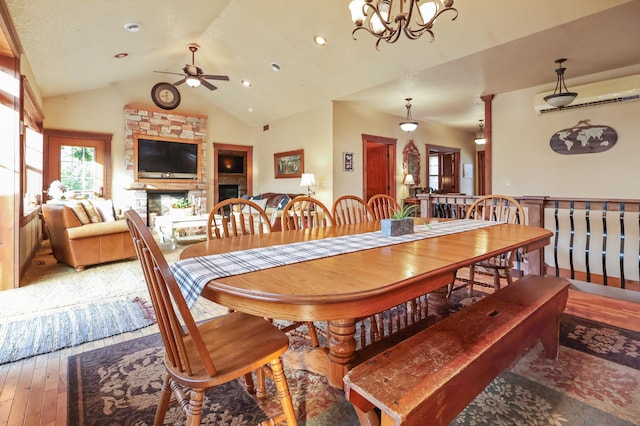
(33, 170)
(78, 170)
(434, 172)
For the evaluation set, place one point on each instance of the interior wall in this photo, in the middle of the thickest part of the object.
(311, 131)
(350, 121)
(523, 162)
(101, 111)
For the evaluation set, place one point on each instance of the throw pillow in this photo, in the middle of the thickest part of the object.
(105, 208)
(81, 213)
(283, 202)
(261, 203)
(93, 214)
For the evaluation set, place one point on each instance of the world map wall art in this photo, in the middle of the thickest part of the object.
(583, 138)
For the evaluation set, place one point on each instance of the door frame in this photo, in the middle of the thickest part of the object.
(445, 150)
(100, 140)
(217, 147)
(391, 144)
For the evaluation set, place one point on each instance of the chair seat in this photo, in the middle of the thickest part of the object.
(494, 262)
(240, 343)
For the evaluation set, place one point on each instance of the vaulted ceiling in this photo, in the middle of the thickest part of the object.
(494, 46)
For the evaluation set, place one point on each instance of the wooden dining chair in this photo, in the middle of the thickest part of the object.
(383, 206)
(350, 209)
(201, 356)
(305, 212)
(494, 208)
(236, 216)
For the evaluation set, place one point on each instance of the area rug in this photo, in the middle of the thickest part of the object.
(70, 327)
(120, 384)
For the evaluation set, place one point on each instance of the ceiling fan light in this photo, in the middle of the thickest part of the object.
(192, 82)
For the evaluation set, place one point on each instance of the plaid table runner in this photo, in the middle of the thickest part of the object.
(194, 273)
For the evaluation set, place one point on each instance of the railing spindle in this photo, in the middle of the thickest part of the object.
(604, 243)
(571, 239)
(622, 283)
(588, 241)
(557, 235)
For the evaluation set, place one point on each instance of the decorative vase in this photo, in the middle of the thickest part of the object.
(396, 227)
(181, 212)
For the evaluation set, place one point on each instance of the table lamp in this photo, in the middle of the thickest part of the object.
(408, 181)
(308, 180)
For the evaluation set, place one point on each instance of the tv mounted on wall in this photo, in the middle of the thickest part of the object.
(166, 159)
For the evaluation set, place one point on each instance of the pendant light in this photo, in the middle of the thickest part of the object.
(409, 125)
(480, 139)
(559, 98)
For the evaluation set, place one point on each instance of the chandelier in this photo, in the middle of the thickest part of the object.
(559, 98)
(388, 19)
(409, 125)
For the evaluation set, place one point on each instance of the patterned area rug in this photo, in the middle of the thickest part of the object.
(70, 327)
(595, 381)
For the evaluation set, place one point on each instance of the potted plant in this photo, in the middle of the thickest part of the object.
(400, 223)
(182, 207)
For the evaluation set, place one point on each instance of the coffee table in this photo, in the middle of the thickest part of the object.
(167, 226)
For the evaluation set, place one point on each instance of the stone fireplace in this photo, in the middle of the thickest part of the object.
(147, 121)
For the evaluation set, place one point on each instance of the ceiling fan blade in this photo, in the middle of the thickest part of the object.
(208, 85)
(216, 77)
(167, 72)
(179, 82)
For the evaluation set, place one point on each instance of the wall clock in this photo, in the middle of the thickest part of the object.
(165, 95)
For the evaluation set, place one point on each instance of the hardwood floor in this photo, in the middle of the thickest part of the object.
(34, 391)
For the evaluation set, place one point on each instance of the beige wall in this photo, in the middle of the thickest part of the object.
(103, 111)
(311, 131)
(350, 121)
(523, 157)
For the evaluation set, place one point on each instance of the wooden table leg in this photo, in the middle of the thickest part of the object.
(334, 362)
(438, 304)
(342, 347)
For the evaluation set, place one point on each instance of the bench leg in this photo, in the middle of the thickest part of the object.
(550, 337)
(369, 418)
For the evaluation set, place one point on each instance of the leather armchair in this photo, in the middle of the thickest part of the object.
(80, 245)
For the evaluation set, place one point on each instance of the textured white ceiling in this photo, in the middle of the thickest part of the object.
(493, 46)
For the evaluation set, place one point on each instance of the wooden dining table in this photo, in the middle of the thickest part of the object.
(343, 288)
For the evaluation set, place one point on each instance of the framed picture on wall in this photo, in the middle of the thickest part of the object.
(347, 161)
(288, 164)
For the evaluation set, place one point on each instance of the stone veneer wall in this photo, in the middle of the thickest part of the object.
(153, 122)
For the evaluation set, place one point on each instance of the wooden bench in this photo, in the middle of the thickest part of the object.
(430, 377)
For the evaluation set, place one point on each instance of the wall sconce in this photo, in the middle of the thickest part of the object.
(308, 180)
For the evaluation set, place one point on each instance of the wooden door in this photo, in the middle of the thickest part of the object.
(54, 140)
(379, 166)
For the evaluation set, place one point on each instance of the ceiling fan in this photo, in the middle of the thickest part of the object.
(193, 74)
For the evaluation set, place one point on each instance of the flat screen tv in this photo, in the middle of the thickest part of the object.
(162, 159)
(230, 164)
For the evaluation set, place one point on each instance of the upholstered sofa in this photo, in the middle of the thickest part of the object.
(85, 233)
(275, 202)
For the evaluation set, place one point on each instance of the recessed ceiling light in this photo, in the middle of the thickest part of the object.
(121, 55)
(319, 40)
(250, 109)
(246, 83)
(275, 66)
(132, 27)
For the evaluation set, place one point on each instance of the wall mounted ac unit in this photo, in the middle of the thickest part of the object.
(623, 89)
